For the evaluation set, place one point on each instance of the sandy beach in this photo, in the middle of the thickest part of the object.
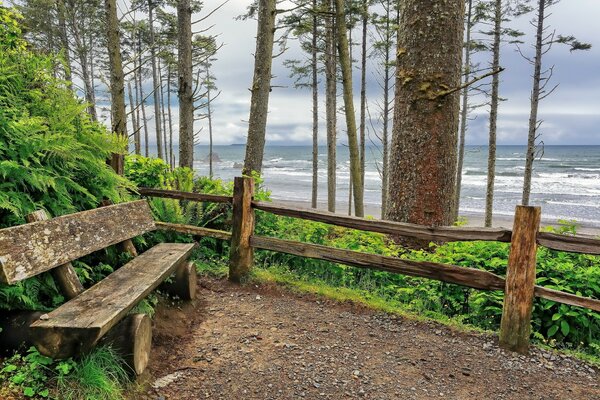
(473, 219)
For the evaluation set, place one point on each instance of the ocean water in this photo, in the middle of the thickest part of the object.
(566, 181)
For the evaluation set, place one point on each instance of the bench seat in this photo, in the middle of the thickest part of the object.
(79, 324)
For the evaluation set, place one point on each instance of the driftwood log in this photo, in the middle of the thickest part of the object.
(132, 340)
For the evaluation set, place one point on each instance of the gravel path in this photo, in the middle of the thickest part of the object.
(267, 343)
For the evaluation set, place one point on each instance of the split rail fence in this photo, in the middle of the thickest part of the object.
(519, 284)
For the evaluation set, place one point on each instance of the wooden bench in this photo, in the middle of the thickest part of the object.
(51, 244)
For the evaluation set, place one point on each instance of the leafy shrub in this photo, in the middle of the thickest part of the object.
(52, 155)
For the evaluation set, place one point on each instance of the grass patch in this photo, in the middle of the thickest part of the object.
(99, 375)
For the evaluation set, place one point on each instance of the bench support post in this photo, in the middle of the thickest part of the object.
(515, 327)
(241, 257)
(65, 276)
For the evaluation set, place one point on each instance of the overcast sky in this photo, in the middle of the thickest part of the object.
(571, 114)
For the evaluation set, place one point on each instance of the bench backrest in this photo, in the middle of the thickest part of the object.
(30, 249)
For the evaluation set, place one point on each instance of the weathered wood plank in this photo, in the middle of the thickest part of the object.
(77, 325)
(241, 255)
(30, 249)
(65, 276)
(434, 234)
(574, 244)
(175, 194)
(567, 298)
(194, 230)
(469, 277)
(515, 326)
(126, 246)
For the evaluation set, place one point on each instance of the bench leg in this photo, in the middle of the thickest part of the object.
(132, 340)
(183, 284)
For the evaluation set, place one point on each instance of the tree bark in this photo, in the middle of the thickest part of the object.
(261, 87)
(315, 110)
(423, 157)
(117, 80)
(186, 96)
(331, 107)
(464, 111)
(344, 54)
(155, 84)
(491, 175)
(535, 100)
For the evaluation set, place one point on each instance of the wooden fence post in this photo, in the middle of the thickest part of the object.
(65, 275)
(241, 256)
(515, 327)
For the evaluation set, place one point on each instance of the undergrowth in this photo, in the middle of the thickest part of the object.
(99, 375)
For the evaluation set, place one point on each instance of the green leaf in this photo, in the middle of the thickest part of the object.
(552, 331)
(564, 328)
(29, 392)
(556, 317)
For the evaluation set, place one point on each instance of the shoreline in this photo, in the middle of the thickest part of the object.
(473, 218)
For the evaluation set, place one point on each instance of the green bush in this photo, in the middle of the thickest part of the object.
(52, 155)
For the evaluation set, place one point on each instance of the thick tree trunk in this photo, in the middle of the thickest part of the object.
(117, 81)
(535, 99)
(315, 110)
(423, 157)
(186, 96)
(331, 107)
(491, 176)
(261, 87)
(155, 84)
(464, 112)
(344, 54)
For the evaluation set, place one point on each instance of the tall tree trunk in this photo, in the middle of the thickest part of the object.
(331, 107)
(491, 176)
(535, 99)
(464, 111)
(363, 92)
(315, 110)
(171, 159)
(64, 38)
(386, 116)
(163, 113)
(155, 84)
(186, 96)
(142, 97)
(261, 86)
(136, 129)
(344, 54)
(117, 82)
(423, 158)
(210, 130)
(350, 188)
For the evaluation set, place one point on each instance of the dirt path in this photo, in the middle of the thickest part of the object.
(267, 343)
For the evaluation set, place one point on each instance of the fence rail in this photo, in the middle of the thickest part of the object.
(519, 286)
